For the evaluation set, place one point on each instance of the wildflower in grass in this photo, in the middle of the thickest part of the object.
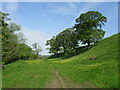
(63, 61)
(33, 61)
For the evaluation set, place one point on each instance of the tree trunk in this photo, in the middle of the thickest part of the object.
(37, 53)
(88, 44)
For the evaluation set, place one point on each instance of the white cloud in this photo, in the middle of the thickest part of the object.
(68, 9)
(12, 6)
(36, 36)
(71, 8)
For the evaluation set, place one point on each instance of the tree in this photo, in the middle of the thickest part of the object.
(9, 38)
(21, 38)
(37, 48)
(9, 42)
(13, 45)
(89, 27)
(68, 40)
(24, 52)
(54, 45)
(65, 41)
(87, 30)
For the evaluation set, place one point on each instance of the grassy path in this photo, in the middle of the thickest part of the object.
(63, 78)
(58, 74)
(32, 74)
(57, 82)
(35, 74)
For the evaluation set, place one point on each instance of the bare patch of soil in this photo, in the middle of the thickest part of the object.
(88, 84)
(61, 80)
(58, 82)
(54, 84)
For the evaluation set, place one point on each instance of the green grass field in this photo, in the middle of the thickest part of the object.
(75, 72)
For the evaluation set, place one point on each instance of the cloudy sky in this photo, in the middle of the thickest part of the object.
(40, 21)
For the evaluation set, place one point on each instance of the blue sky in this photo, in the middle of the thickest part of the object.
(40, 21)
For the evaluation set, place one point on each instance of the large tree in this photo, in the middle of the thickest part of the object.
(65, 41)
(9, 38)
(89, 27)
(13, 45)
(87, 30)
(54, 46)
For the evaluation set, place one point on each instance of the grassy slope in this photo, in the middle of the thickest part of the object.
(78, 70)
(26, 74)
(103, 71)
(0, 77)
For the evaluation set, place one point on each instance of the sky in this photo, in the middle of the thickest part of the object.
(40, 21)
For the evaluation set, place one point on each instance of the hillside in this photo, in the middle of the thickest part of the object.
(75, 72)
(103, 71)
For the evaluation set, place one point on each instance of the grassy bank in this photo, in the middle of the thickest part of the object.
(77, 71)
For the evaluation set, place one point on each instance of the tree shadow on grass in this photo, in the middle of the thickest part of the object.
(77, 51)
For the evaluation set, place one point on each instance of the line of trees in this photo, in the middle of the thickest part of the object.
(13, 44)
(87, 30)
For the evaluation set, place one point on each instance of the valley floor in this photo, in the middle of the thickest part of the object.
(75, 72)
(56, 74)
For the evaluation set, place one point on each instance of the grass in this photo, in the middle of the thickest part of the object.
(26, 74)
(0, 78)
(79, 70)
(103, 75)
(103, 71)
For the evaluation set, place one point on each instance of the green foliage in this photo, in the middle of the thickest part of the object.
(24, 52)
(89, 27)
(54, 45)
(13, 45)
(91, 36)
(68, 40)
(87, 30)
(101, 72)
(9, 42)
(91, 19)
(65, 41)
(77, 71)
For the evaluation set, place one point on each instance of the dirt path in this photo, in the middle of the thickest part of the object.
(58, 82)
(61, 80)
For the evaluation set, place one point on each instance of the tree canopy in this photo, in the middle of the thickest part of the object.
(89, 27)
(13, 44)
(87, 30)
